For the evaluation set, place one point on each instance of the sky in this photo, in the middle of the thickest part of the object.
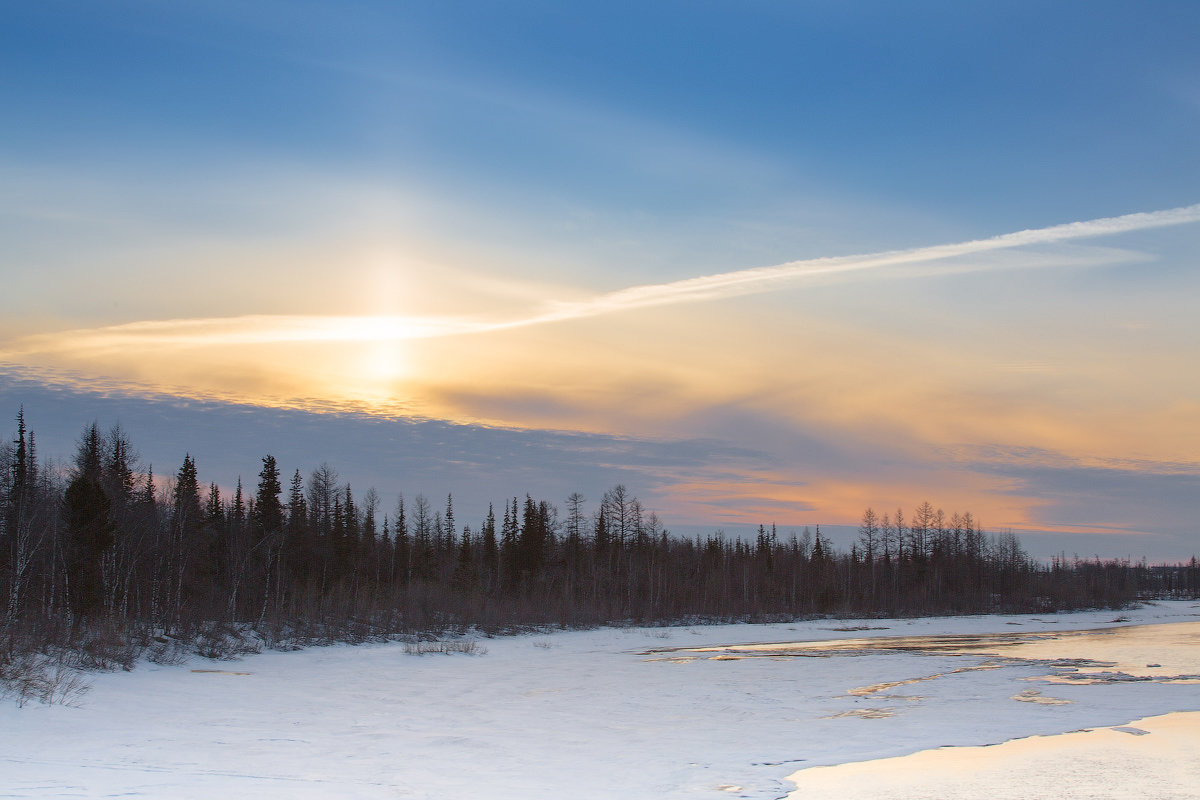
(760, 262)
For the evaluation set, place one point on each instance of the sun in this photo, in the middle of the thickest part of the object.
(383, 361)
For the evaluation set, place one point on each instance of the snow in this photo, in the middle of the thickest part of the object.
(619, 712)
(1157, 757)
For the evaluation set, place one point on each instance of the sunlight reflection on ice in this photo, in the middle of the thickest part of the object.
(1155, 757)
(1159, 756)
(1135, 652)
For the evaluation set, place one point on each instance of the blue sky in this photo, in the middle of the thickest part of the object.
(250, 170)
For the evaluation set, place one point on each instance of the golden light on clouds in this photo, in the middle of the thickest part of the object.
(764, 360)
(651, 373)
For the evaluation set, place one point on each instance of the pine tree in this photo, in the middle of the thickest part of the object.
(16, 528)
(600, 537)
(818, 549)
(297, 507)
(118, 471)
(464, 567)
(341, 549)
(16, 504)
(449, 528)
(18, 495)
(350, 519)
(268, 510)
(401, 551)
(509, 560)
(237, 516)
(149, 490)
(90, 529)
(214, 509)
(370, 507)
(491, 556)
(186, 499)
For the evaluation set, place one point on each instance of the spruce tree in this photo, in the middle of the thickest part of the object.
(214, 510)
(118, 471)
(237, 515)
(268, 510)
(90, 529)
(464, 567)
(490, 556)
(448, 522)
(401, 552)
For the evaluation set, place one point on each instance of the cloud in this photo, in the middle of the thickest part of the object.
(760, 279)
(395, 453)
(267, 329)
(255, 329)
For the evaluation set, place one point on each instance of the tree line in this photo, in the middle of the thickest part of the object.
(106, 542)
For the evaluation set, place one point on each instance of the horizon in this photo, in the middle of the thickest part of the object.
(224, 454)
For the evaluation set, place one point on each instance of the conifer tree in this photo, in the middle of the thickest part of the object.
(370, 507)
(16, 524)
(464, 567)
(118, 471)
(490, 555)
(268, 510)
(149, 490)
(297, 507)
(214, 509)
(339, 540)
(509, 558)
(600, 537)
(448, 521)
(89, 525)
(238, 511)
(350, 519)
(19, 485)
(401, 552)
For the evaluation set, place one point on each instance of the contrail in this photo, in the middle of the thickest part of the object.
(268, 329)
(749, 281)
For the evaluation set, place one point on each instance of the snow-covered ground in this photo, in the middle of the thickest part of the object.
(1157, 757)
(629, 713)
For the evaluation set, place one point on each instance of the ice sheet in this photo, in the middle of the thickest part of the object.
(1157, 757)
(581, 714)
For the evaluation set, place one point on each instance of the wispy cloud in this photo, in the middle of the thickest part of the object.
(254, 329)
(760, 279)
(282, 328)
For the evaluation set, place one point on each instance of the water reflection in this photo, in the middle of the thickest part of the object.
(1150, 757)
(1160, 653)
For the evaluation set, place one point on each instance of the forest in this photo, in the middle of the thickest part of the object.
(103, 558)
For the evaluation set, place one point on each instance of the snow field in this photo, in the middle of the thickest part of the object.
(581, 714)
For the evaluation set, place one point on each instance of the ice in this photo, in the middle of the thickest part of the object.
(581, 714)
(1160, 760)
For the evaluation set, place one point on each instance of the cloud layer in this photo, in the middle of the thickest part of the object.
(267, 329)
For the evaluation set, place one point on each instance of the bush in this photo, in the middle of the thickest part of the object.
(470, 647)
(30, 675)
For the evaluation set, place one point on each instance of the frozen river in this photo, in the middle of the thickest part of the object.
(705, 711)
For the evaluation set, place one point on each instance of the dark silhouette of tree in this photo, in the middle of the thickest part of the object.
(89, 525)
(268, 508)
(491, 553)
(423, 532)
(465, 575)
(401, 550)
(118, 471)
(448, 529)
(103, 546)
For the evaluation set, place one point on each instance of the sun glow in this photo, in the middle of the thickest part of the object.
(384, 361)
